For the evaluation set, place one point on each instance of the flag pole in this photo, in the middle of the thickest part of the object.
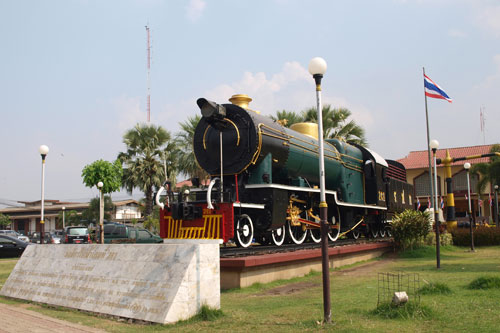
(428, 141)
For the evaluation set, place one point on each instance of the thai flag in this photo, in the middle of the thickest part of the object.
(418, 204)
(433, 90)
(442, 203)
(490, 200)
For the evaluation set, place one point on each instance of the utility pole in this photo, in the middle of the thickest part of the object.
(148, 105)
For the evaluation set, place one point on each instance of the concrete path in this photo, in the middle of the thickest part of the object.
(16, 319)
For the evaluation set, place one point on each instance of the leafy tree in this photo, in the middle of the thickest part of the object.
(110, 174)
(4, 220)
(186, 160)
(490, 172)
(91, 214)
(143, 163)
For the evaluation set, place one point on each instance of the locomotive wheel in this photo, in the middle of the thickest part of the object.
(382, 232)
(244, 231)
(278, 235)
(315, 235)
(354, 234)
(334, 233)
(373, 233)
(296, 234)
(388, 232)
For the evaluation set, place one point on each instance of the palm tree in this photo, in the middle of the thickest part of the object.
(91, 214)
(287, 118)
(143, 162)
(186, 160)
(490, 172)
(336, 124)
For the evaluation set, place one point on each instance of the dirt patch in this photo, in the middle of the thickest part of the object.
(369, 268)
(366, 269)
(289, 289)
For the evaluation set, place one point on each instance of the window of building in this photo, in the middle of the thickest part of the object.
(422, 185)
(459, 182)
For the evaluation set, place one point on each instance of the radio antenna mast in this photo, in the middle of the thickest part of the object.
(481, 119)
(148, 102)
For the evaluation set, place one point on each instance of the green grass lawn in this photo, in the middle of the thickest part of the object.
(297, 305)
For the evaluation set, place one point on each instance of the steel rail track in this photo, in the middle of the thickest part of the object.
(235, 252)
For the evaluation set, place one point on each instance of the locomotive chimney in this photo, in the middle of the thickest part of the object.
(242, 100)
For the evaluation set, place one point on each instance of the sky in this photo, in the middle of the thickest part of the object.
(73, 74)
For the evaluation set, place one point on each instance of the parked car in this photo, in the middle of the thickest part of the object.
(35, 238)
(54, 238)
(76, 235)
(120, 233)
(11, 246)
(14, 233)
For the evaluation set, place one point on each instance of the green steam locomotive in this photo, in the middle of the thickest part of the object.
(264, 183)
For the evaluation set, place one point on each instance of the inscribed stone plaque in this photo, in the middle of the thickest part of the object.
(154, 282)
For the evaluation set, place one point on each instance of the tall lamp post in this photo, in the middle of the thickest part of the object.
(467, 167)
(317, 67)
(101, 213)
(44, 150)
(434, 146)
(496, 205)
(64, 217)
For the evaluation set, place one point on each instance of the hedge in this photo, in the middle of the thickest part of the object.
(483, 236)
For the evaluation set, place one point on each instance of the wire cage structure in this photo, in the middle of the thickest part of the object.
(389, 283)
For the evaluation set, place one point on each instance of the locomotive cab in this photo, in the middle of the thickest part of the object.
(375, 177)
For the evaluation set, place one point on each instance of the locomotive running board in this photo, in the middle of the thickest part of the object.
(313, 190)
(248, 205)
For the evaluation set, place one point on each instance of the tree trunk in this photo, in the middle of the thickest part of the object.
(149, 202)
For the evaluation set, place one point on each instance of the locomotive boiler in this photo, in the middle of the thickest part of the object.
(264, 181)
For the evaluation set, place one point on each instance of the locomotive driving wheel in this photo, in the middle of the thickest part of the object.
(278, 236)
(297, 232)
(334, 232)
(315, 235)
(354, 234)
(244, 231)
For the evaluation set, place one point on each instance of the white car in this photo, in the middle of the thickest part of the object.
(14, 233)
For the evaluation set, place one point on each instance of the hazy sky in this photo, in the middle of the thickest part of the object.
(73, 73)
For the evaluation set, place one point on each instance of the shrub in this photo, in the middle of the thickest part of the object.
(407, 311)
(444, 239)
(410, 227)
(209, 314)
(485, 283)
(435, 288)
(483, 236)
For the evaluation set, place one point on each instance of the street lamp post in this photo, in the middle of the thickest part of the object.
(101, 213)
(64, 217)
(467, 167)
(434, 146)
(496, 205)
(44, 150)
(317, 67)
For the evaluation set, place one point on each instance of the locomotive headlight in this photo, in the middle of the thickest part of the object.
(211, 109)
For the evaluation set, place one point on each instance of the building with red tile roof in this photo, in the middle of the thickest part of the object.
(417, 173)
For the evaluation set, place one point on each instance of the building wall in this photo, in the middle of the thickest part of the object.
(461, 204)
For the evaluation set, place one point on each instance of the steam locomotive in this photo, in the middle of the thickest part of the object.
(264, 183)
